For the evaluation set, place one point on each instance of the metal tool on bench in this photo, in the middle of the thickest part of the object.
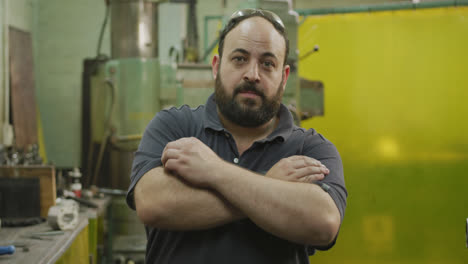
(72, 196)
(64, 215)
(16, 245)
(7, 250)
(42, 235)
(113, 192)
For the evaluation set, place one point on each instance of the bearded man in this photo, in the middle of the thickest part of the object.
(234, 180)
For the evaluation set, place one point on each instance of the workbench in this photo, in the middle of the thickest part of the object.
(45, 249)
(73, 246)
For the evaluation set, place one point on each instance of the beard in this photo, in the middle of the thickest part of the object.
(245, 112)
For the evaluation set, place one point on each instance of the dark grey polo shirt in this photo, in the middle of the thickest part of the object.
(240, 241)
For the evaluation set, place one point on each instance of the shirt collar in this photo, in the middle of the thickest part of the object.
(211, 118)
(282, 131)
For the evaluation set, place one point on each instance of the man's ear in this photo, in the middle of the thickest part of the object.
(215, 65)
(286, 71)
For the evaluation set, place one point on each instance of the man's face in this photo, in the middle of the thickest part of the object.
(246, 112)
(250, 76)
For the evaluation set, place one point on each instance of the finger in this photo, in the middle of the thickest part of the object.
(312, 178)
(325, 170)
(163, 157)
(187, 141)
(169, 154)
(295, 157)
(309, 170)
(298, 158)
(173, 144)
(305, 162)
(303, 179)
(171, 165)
(312, 162)
(164, 154)
(317, 163)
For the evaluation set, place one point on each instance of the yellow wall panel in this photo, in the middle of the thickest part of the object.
(396, 104)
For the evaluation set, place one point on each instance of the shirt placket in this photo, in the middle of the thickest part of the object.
(234, 157)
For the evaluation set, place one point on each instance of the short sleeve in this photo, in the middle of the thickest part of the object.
(319, 148)
(163, 128)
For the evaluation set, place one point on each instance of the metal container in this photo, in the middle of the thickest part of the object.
(136, 91)
(134, 29)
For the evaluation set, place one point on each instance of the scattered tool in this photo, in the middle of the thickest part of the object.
(21, 245)
(44, 235)
(114, 192)
(24, 247)
(83, 201)
(37, 237)
(7, 250)
(17, 245)
(64, 215)
(49, 233)
(72, 196)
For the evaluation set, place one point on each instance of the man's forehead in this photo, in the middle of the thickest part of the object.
(256, 33)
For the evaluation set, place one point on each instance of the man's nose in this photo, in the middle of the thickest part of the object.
(252, 74)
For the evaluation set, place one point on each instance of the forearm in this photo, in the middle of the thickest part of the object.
(165, 201)
(296, 211)
(299, 212)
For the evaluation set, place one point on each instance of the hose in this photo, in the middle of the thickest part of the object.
(107, 133)
(101, 34)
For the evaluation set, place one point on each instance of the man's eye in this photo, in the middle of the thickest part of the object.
(268, 64)
(239, 59)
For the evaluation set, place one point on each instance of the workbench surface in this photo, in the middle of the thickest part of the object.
(46, 250)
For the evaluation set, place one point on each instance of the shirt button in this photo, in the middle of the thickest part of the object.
(236, 160)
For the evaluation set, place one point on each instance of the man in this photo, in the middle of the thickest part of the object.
(235, 181)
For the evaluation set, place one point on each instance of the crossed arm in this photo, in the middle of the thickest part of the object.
(197, 190)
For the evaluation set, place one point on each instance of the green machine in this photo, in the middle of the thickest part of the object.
(121, 95)
(128, 90)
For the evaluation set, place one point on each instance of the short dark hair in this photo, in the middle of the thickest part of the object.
(243, 14)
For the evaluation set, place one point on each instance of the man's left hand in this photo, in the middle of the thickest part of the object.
(298, 169)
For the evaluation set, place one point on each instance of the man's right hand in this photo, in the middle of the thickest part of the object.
(298, 169)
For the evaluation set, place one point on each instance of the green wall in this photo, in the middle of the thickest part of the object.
(395, 106)
(66, 33)
(18, 14)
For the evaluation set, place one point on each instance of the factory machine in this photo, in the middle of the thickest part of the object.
(122, 93)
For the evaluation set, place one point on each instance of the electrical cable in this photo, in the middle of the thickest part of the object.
(98, 60)
(101, 34)
(90, 157)
(107, 133)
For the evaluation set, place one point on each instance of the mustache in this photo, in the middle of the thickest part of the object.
(248, 87)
